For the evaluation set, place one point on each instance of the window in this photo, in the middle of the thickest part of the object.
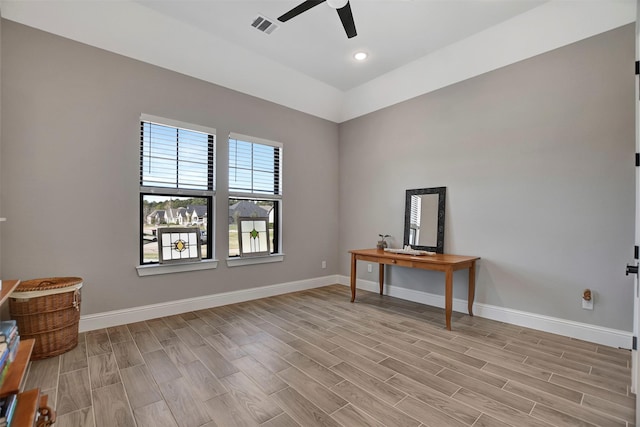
(255, 189)
(176, 182)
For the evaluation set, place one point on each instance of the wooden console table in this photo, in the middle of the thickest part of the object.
(438, 262)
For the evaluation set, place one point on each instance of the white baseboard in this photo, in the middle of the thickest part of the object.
(108, 319)
(582, 331)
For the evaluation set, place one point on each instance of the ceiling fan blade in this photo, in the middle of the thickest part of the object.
(347, 20)
(302, 7)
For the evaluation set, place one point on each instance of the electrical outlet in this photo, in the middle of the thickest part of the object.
(369, 268)
(587, 305)
(324, 264)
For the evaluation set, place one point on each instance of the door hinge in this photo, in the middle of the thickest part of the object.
(637, 67)
(637, 159)
(635, 252)
(634, 343)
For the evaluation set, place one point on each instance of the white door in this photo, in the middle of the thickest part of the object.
(635, 356)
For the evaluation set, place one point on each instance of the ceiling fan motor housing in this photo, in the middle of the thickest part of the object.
(342, 7)
(337, 4)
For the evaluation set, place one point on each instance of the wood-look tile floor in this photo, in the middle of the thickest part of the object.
(312, 358)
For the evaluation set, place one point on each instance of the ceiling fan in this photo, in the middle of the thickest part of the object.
(342, 6)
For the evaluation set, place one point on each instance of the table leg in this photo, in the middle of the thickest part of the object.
(353, 277)
(381, 276)
(448, 295)
(472, 286)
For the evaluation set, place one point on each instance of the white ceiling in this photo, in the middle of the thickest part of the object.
(414, 45)
(394, 32)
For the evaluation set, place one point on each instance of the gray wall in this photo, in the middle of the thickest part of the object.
(537, 158)
(69, 171)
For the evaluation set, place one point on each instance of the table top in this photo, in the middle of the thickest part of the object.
(445, 259)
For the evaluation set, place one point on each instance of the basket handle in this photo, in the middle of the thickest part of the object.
(45, 283)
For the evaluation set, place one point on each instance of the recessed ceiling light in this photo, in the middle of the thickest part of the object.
(360, 56)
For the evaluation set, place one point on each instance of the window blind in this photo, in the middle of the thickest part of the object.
(254, 166)
(416, 207)
(175, 157)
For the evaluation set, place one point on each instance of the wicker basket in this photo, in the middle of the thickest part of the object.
(48, 310)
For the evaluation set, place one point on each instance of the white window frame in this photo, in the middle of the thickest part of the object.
(274, 257)
(204, 264)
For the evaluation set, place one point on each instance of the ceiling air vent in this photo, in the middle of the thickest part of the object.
(263, 24)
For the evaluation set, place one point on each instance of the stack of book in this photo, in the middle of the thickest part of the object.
(7, 408)
(9, 340)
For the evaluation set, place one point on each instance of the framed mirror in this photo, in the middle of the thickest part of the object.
(424, 219)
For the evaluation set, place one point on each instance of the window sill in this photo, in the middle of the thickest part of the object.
(238, 261)
(154, 269)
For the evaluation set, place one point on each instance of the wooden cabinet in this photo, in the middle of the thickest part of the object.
(26, 409)
(29, 402)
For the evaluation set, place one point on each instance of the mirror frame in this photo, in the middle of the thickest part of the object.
(441, 192)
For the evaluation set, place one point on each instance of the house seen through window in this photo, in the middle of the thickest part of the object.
(255, 192)
(177, 165)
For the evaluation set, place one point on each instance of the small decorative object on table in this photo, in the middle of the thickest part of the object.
(382, 243)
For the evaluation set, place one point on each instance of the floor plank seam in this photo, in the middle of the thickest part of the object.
(399, 332)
